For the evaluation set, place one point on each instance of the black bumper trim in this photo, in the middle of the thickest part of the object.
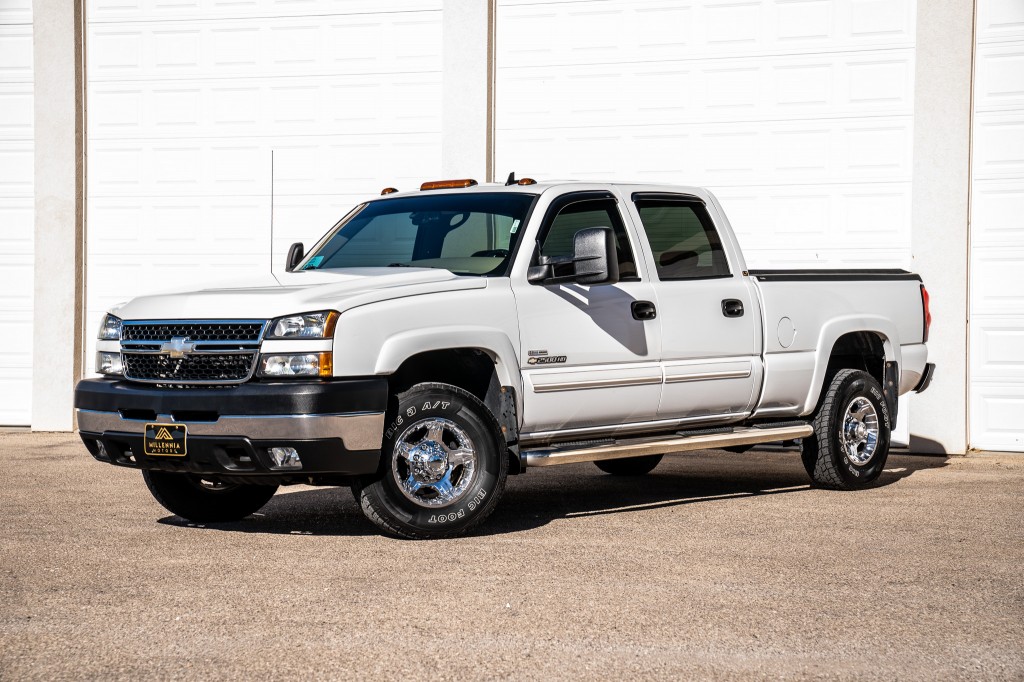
(234, 456)
(253, 398)
(926, 378)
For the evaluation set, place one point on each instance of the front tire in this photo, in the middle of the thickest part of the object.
(629, 466)
(204, 500)
(851, 433)
(443, 468)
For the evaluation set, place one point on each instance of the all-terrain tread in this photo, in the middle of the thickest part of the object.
(826, 474)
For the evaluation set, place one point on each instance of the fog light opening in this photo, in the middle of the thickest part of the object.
(284, 458)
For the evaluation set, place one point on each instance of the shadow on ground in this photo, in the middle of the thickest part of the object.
(541, 496)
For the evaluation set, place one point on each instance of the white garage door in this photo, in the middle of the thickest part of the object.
(797, 114)
(997, 230)
(16, 212)
(187, 101)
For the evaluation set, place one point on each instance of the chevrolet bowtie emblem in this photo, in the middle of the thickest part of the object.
(177, 347)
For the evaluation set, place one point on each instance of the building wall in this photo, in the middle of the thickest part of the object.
(798, 114)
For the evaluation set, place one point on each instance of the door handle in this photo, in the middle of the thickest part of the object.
(643, 310)
(732, 307)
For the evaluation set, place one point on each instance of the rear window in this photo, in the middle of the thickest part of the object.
(683, 239)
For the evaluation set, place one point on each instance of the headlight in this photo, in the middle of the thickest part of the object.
(109, 363)
(297, 365)
(305, 326)
(110, 330)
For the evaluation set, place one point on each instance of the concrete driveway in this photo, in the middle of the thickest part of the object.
(717, 565)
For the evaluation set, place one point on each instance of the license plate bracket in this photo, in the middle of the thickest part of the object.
(166, 440)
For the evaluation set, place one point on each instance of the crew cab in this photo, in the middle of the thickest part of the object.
(435, 341)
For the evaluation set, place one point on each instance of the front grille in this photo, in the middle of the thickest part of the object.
(244, 331)
(192, 368)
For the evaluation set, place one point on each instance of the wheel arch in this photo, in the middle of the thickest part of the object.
(864, 343)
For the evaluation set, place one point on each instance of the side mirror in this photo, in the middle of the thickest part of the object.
(594, 260)
(295, 253)
(595, 256)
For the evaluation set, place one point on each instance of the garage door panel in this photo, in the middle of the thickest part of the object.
(995, 349)
(709, 91)
(17, 215)
(536, 33)
(995, 415)
(259, 46)
(996, 365)
(350, 105)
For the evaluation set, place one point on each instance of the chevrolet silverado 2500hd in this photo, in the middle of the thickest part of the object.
(435, 341)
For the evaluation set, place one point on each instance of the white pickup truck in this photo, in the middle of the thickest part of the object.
(436, 341)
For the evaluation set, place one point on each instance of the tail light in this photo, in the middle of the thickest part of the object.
(927, 313)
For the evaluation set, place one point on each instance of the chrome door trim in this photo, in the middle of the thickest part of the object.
(707, 376)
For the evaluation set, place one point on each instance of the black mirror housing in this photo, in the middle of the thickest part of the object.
(295, 254)
(595, 256)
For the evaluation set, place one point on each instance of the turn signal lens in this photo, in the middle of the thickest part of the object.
(447, 184)
(287, 365)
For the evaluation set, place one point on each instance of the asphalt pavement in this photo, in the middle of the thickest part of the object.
(715, 566)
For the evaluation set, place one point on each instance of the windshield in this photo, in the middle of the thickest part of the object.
(468, 234)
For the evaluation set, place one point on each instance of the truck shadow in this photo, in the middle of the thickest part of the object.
(541, 496)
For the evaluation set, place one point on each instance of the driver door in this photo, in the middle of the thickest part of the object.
(589, 354)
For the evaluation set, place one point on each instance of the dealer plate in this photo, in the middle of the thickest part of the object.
(166, 440)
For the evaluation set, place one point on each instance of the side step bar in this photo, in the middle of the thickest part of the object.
(638, 447)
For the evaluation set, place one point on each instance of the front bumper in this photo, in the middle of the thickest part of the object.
(336, 426)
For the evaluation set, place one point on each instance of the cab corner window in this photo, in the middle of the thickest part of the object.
(683, 239)
(579, 215)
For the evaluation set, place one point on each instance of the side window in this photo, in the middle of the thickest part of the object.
(683, 239)
(589, 213)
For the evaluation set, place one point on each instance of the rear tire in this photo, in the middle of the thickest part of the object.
(204, 500)
(629, 466)
(444, 465)
(851, 433)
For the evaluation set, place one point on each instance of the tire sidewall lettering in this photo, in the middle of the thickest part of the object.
(413, 409)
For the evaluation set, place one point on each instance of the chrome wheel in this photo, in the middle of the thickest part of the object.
(859, 435)
(434, 462)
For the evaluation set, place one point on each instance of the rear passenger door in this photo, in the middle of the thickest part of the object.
(709, 315)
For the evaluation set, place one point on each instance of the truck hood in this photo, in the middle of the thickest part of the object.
(295, 292)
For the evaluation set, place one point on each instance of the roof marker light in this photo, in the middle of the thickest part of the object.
(447, 184)
(388, 190)
(527, 181)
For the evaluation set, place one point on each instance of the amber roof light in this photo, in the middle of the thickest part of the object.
(447, 184)
(527, 181)
(388, 190)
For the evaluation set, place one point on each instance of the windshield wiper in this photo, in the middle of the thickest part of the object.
(400, 265)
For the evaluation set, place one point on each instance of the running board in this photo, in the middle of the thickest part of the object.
(639, 447)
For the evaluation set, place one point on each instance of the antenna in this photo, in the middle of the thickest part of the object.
(271, 212)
